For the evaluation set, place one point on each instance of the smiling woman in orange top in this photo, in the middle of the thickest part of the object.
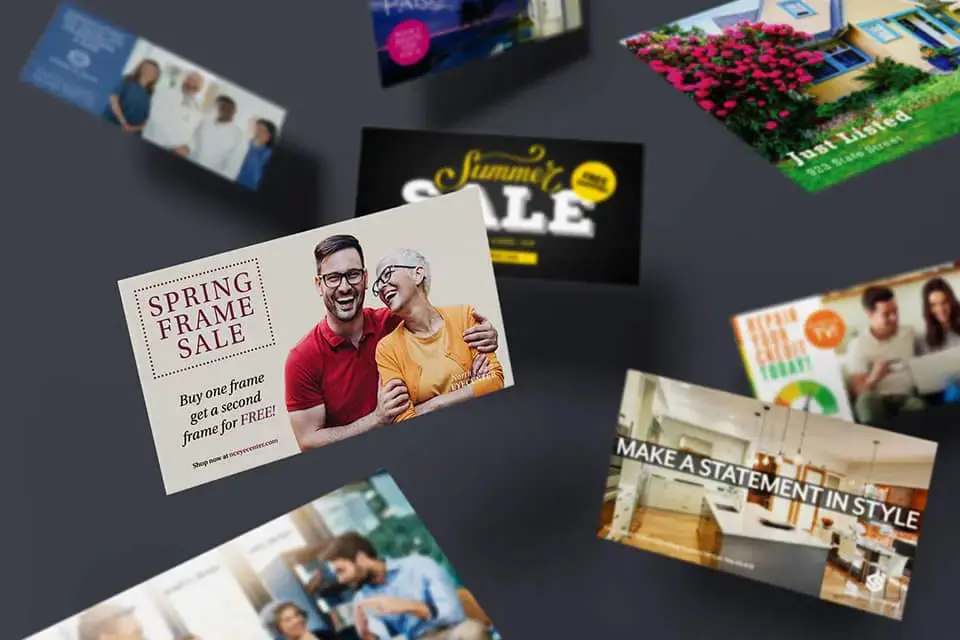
(427, 351)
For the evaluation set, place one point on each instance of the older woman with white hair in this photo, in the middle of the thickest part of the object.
(427, 351)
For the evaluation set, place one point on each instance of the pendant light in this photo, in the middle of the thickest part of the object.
(783, 438)
(806, 414)
(763, 424)
(868, 487)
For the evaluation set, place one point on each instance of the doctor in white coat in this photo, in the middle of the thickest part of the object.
(216, 141)
(175, 113)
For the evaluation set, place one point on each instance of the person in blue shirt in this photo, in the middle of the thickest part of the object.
(130, 99)
(412, 597)
(258, 155)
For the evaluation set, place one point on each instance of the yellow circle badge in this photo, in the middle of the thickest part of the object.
(593, 181)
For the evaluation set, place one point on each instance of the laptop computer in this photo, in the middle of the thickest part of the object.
(931, 372)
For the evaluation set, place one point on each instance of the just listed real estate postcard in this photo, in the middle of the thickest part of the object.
(823, 89)
(260, 353)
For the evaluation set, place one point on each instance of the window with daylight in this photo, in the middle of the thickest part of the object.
(797, 9)
(881, 31)
(838, 59)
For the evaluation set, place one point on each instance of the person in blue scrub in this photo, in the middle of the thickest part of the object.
(130, 99)
(258, 155)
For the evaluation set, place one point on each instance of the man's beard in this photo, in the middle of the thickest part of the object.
(337, 305)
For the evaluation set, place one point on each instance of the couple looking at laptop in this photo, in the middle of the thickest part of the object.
(360, 368)
(881, 382)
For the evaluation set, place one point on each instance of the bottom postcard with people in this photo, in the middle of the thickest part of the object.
(792, 498)
(355, 564)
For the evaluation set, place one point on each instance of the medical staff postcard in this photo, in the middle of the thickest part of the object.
(298, 343)
(415, 38)
(148, 92)
(332, 569)
(823, 89)
(783, 496)
(866, 353)
(555, 209)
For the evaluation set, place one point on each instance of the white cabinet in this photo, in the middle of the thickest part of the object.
(671, 495)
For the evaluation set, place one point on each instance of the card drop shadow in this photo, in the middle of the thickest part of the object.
(454, 94)
(288, 198)
(542, 323)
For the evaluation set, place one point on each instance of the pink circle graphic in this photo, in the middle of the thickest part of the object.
(409, 42)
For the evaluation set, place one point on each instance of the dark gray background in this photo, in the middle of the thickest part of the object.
(510, 484)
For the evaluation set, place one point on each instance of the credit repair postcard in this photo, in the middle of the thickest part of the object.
(555, 209)
(824, 89)
(791, 498)
(260, 353)
(146, 91)
(415, 38)
(293, 577)
(866, 353)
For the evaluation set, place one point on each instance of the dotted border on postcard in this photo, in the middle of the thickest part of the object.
(143, 325)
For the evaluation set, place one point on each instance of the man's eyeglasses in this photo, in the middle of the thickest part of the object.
(386, 274)
(334, 278)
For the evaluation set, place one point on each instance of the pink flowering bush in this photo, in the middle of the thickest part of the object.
(751, 77)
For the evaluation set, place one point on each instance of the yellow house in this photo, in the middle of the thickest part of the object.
(853, 34)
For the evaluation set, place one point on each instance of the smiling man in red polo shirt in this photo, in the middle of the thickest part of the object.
(332, 385)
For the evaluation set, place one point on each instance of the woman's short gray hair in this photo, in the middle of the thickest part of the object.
(410, 258)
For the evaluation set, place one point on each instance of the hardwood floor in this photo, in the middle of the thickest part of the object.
(662, 532)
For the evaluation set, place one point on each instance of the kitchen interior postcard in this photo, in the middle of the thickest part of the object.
(866, 353)
(415, 38)
(791, 498)
(149, 92)
(357, 563)
(257, 354)
(824, 89)
(555, 209)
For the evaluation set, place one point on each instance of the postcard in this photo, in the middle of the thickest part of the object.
(787, 497)
(415, 38)
(146, 91)
(823, 89)
(555, 209)
(867, 353)
(355, 563)
(257, 354)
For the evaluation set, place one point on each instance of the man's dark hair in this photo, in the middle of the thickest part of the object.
(872, 296)
(101, 619)
(335, 244)
(347, 547)
(227, 100)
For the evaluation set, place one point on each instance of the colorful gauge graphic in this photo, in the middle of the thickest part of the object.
(819, 395)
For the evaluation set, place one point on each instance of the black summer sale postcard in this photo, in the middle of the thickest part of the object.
(554, 209)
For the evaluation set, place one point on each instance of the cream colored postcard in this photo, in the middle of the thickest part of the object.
(257, 354)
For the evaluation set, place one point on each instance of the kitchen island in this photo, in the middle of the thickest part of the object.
(745, 542)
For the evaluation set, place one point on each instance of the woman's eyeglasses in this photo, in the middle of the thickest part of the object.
(334, 278)
(386, 274)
